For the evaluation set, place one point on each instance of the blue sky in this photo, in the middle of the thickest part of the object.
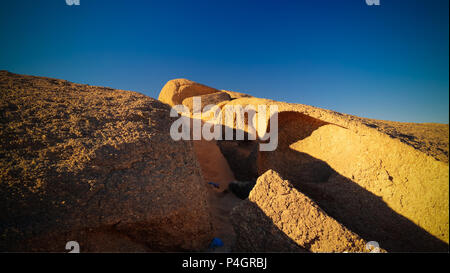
(386, 62)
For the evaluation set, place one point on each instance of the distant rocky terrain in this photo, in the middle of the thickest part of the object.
(98, 166)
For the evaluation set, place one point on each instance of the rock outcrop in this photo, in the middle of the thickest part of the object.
(356, 172)
(275, 206)
(175, 91)
(386, 181)
(97, 166)
(356, 167)
(208, 99)
(236, 95)
(213, 164)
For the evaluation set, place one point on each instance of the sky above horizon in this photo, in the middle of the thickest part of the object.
(387, 62)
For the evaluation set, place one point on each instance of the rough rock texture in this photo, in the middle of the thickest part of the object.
(293, 213)
(175, 91)
(241, 157)
(429, 138)
(255, 232)
(213, 165)
(386, 181)
(208, 99)
(398, 190)
(236, 95)
(97, 166)
(241, 189)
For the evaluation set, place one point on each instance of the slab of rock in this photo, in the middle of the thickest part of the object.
(175, 91)
(386, 181)
(214, 166)
(241, 156)
(208, 99)
(275, 207)
(379, 187)
(97, 166)
(236, 95)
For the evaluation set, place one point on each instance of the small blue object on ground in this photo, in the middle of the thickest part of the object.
(214, 184)
(216, 242)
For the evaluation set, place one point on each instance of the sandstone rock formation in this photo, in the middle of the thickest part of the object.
(236, 95)
(385, 181)
(213, 164)
(241, 157)
(398, 194)
(396, 187)
(97, 166)
(292, 213)
(208, 99)
(175, 91)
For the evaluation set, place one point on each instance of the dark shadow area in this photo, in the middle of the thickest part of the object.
(361, 211)
(256, 232)
(343, 199)
(290, 164)
(241, 189)
(241, 157)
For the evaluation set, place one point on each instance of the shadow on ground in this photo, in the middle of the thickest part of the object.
(342, 198)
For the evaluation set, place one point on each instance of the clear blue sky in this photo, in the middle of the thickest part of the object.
(386, 62)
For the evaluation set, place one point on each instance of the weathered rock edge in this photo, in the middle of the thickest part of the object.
(97, 166)
(274, 205)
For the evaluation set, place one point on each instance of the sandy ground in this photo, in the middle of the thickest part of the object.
(215, 169)
(221, 205)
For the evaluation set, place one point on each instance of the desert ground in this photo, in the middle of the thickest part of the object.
(98, 166)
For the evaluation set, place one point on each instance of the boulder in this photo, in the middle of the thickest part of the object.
(175, 91)
(236, 95)
(208, 99)
(398, 193)
(96, 166)
(277, 217)
(241, 156)
(391, 176)
(213, 165)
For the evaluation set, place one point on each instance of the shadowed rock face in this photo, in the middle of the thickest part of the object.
(236, 95)
(214, 166)
(175, 91)
(208, 99)
(285, 209)
(380, 188)
(241, 157)
(385, 181)
(96, 166)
